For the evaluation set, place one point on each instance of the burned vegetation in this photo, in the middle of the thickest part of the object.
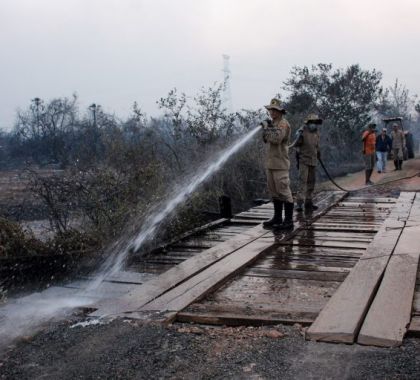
(74, 180)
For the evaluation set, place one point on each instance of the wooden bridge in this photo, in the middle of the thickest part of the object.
(349, 271)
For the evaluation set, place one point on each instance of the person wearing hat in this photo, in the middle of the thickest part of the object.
(383, 145)
(308, 152)
(398, 144)
(369, 145)
(276, 136)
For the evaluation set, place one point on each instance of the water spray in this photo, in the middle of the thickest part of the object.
(115, 262)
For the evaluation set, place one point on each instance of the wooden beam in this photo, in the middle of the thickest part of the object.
(341, 318)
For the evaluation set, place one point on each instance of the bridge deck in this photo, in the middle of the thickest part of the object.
(236, 273)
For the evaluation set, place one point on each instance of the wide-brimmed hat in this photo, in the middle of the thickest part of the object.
(313, 118)
(275, 104)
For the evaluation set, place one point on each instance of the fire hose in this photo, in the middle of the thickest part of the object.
(331, 179)
(364, 187)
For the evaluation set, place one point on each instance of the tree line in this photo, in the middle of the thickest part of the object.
(110, 170)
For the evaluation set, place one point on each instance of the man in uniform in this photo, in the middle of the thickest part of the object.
(398, 144)
(276, 135)
(307, 145)
(369, 145)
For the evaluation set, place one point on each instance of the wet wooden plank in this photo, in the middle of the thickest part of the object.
(315, 274)
(258, 294)
(371, 200)
(326, 243)
(211, 278)
(352, 235)
(240, 221)
(207, 280)
(389, 315)
(125, 277)
(342, 317)
(283, 250)
(306, 266)
(184, 271)
(343, 228)
(174, 276)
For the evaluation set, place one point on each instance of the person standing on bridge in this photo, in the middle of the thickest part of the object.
(383, 145)
(307, 152)
(398, 144)
(276, 136)
(369, 145)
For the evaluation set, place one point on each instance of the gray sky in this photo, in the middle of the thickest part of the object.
(115, 52)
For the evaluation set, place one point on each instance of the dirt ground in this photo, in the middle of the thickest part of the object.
(124, 349)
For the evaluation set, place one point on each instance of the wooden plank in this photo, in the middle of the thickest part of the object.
(414, 328)
(171, 278)
(205, 281)
(187, 269)
(326, 243)
(341, 318)
(239, 221)
(126, 277)
(202, 283)
(241, 319)
(389, 315)
(371, 200)
(321, 227)
(298, 274)
(416, 300)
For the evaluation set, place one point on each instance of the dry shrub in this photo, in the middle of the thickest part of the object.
(15, 242)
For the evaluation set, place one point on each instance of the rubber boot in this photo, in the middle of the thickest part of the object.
(400, 162)
(396, 164)
(277, 217)
(299, 206)
(309, 206)
(288, 217)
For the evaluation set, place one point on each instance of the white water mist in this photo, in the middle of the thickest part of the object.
(115, 262)
(26, 314)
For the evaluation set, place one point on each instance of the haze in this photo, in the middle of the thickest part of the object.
(115, 52)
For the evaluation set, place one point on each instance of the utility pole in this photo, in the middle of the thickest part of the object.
(227, 93)
(37, 102)
(93, 107)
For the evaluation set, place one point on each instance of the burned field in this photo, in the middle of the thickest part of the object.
(270, 303)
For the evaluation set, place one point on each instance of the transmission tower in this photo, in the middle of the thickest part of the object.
(227, 94)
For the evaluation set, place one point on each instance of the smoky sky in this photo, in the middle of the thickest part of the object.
(115, 52)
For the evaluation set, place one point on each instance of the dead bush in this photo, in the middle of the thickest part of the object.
(15, 242)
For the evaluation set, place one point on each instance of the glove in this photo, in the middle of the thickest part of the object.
(267, 123)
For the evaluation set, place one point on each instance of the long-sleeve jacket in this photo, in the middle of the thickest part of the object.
(308, 146)
(398, 139)
(277, 139)
(383, 143)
